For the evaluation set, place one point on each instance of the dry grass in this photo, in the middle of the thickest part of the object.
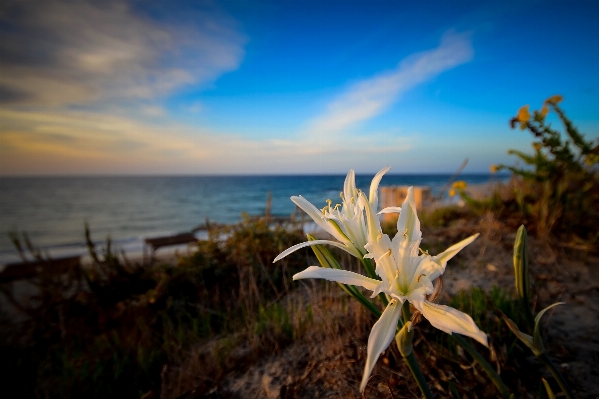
(225, 324)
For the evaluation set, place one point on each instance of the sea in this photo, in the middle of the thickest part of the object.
(53, 211)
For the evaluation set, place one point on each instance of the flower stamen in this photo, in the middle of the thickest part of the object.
(388, 253)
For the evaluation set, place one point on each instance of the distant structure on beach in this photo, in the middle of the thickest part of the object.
(395, 196)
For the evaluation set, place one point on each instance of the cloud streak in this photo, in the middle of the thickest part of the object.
(370, 97)
(72, 52)
(83, 142)
(113, 64)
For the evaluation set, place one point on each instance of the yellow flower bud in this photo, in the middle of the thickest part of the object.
(544, 111)
(591, 159)
(451, 192)
(554, 99)
(537, 146)
(459, 185)
(523, 116)
(493, 169)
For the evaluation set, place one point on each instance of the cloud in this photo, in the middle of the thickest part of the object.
(85, 142)
(194, 108)
(153, 111)
(120, 65)
(371, 97)
(73, 52)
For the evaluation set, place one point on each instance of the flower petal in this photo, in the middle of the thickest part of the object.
(349, 186)
(374, 185)
(317, 216)
(340, 276)
(390, 209)
(451, 320)
(380, 337)
(442, 259)
(408, 219)
(311, 210)
(315, 242)
(373, 224)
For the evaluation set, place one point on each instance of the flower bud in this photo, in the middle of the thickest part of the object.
(404, 338)
(521, 265)
(523, 117)
(554, 99)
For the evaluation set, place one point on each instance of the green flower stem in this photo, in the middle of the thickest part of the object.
(405, 311)
(417, 373)
(501, 387)
(370, 271)
(327, 260)
(363, 300)
(412, 362)
(556, 374)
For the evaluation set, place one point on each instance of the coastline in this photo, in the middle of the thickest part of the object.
(133, 247)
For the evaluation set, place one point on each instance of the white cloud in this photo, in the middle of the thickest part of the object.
(371, 97)
(114, 61)
(73, 52)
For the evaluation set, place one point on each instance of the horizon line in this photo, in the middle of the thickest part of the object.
(23, 176)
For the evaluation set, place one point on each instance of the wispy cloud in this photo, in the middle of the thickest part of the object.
(116, 65)
(73, 52)
(84, 142)
(371, 97)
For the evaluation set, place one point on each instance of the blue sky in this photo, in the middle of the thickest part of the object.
(254, 87)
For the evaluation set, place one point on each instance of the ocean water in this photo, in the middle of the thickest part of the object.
(53, 210)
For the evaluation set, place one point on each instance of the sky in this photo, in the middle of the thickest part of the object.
(285, 87)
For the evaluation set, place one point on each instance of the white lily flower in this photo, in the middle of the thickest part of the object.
(405, 275)
(346, 222)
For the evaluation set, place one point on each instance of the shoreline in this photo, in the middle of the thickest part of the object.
(134, 247)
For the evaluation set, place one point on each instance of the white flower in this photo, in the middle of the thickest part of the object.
(405, 275)
(346, 222)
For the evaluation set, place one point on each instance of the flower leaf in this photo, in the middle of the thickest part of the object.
(521, 275)
(548, 389)
(525, 338)
(538, 342)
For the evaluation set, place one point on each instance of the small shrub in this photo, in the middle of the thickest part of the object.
(558, 190)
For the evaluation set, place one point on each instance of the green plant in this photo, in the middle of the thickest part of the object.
(558, 189)
(114, 329)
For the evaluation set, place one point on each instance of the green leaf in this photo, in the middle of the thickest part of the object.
(521, 275)
(550, 393)
(525, 338)
(327, 260)
(454, 391)
(521, 263)
(529, 159)
(323, 255)
(537, 340)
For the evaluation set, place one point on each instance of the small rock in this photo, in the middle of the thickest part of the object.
(491, 267)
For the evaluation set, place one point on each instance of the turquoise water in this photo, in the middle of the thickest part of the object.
(53, 210)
